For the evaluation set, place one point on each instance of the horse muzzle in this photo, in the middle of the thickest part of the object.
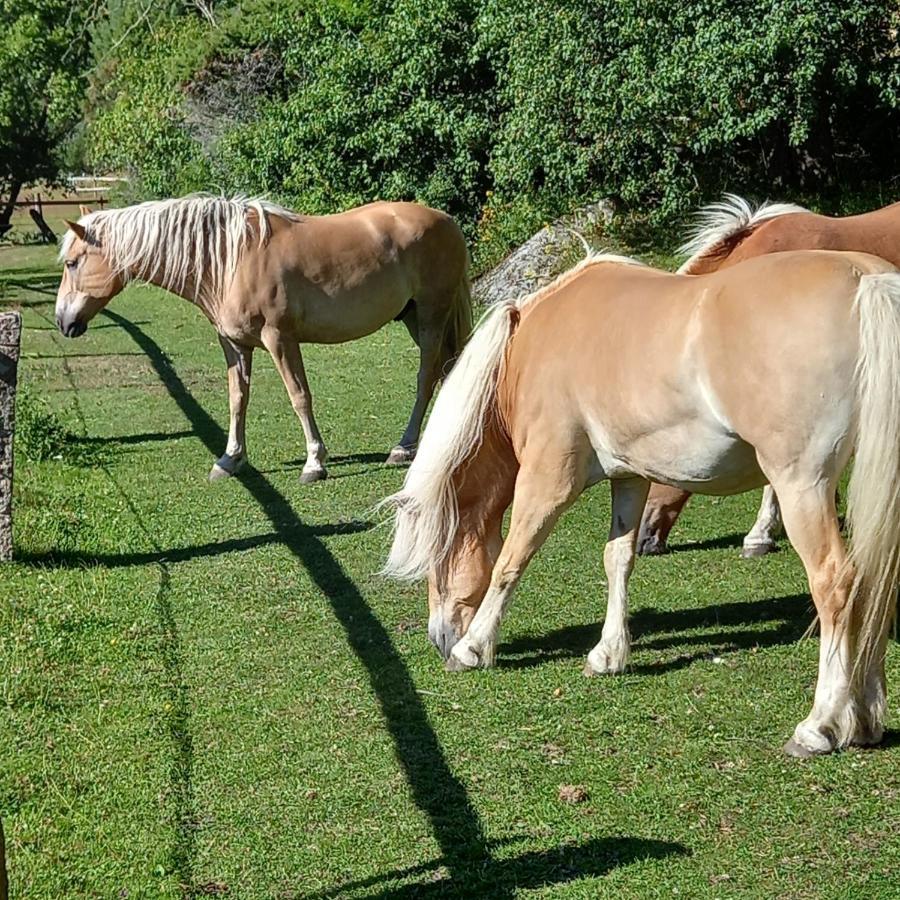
(442, 634)
(70, 326)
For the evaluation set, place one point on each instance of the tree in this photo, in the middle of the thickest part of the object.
(43, 63)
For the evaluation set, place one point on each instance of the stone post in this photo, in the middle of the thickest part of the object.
(10, 335)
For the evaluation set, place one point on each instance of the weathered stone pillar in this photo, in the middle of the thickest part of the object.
(4, 885)
(10, 336)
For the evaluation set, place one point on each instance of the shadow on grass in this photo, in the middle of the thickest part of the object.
(793, 613)
(530, 871)
(77, 560)
(371, 461)
(435, 789)
(723, 542)
(465, 851)
(145, 438)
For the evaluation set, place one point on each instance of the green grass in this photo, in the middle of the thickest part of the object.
(207, 688)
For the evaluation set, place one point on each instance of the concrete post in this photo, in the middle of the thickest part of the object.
(10, 336)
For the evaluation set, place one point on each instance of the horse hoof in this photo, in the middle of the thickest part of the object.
(312, 476)
(651, 546)
(798, 751)
(232, 465)
(461, 659)
(752, 551)
(399, 456)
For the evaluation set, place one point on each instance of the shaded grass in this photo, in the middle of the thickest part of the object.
(208, 689)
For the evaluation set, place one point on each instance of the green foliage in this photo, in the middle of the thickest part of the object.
(507, 112)
(40, 435)
(656, 102)
(141, 126)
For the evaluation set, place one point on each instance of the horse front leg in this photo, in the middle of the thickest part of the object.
(286, 354)
(541, 496)
(239, 361)
(612, 653)
(430, 341)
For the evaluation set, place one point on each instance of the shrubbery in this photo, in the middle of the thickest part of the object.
(506, 112)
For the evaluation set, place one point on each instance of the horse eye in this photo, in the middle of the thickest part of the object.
(71, 263)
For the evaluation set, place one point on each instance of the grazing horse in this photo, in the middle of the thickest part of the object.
(775, 370)
(730, 232)
(267, 277)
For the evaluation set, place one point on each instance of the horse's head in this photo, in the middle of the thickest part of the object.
(88, 281)
(457, 584)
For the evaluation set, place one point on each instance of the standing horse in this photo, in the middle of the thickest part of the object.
(775, 370)
(268, 277)
(729, 233)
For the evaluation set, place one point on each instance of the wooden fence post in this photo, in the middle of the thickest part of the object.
(10, 337)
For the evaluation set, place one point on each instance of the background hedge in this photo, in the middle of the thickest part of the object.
(504, 112)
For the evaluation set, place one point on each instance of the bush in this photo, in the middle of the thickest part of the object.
(659, 103)
(508, 112)
(39, 435)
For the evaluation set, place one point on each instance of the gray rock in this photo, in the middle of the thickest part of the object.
(537, 261)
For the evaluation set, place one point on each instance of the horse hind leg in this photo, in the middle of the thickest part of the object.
(761, 539)
(428, 336)
(842, 713)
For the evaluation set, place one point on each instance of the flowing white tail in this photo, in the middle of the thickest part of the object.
(873, 506)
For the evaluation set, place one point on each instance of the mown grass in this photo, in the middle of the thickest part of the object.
(207, 690)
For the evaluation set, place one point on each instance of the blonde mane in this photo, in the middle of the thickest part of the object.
(199, 237)
(425, 509)
(718, 222)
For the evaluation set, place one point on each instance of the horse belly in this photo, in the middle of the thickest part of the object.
(695, 457)
(333, 314)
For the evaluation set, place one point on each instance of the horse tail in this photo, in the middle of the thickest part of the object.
(721, 226)
(873, 503)
(425, 510)
(459, 325)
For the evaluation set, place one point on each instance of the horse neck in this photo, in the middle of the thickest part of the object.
(153, 272)
(485, 483)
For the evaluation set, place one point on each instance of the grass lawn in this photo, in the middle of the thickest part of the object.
(207, 691)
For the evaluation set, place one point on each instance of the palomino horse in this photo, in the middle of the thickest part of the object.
(730, 232)
(775, 370)
(268, 277)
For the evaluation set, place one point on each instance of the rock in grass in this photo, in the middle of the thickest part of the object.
(538, 260)
(573, 794)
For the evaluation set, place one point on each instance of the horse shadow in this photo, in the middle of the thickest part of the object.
(792, 613)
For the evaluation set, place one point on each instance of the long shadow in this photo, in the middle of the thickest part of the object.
(41, 286)
(145, 438)
(61, 559)
(792, 612)
(94, 326)
(529, 871)
(723, 542)
(437, 792)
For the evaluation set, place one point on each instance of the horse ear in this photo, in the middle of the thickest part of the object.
(85, 210)
(76, 229)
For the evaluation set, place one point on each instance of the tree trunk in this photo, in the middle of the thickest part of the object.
(10, 206)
